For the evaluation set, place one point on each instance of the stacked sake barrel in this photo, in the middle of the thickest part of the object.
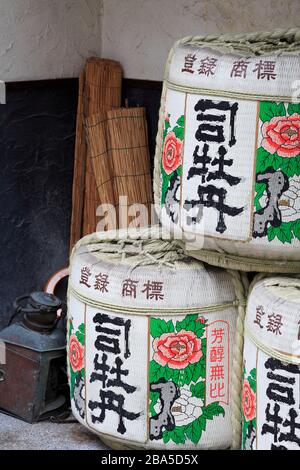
(270, 397)
(152, 344)
(227, 165)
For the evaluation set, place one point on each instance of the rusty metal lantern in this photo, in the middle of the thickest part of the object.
(33, 381)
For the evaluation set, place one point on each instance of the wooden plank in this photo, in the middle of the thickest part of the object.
(79, 169)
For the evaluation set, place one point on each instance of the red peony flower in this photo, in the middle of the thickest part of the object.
(171, 153)
(248, 401)
(76, 353)
(177, 350)
(282, 135)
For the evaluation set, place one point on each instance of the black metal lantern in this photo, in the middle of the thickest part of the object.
(33, 380)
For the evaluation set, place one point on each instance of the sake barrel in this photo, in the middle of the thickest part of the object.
(152, 340)
(227, 165)
(271, 386)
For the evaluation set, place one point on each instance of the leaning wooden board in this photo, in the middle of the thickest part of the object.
(99, 89)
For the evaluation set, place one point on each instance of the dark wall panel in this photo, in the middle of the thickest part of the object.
(37, 135)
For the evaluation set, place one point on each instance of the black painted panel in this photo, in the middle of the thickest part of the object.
(37, 135)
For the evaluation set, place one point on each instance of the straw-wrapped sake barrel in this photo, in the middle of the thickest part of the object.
(151, 344)
(271, 386)
(228, 149)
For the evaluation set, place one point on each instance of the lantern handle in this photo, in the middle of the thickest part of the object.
(16, 302)
(62, 315)
(17, 308)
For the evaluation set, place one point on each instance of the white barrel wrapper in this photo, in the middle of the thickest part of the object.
(271, 387)
(229, 153)
(151, 347)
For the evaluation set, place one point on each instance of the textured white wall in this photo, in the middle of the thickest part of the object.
(140, 33)
(47, 38)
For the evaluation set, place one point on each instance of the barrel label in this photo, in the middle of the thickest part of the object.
(208, 164)
(271, 402)
(277, 189)
(116, 376)
(218, 166)
(189, 377)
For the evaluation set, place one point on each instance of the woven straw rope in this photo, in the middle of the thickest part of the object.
(165, 252)
(276, 42)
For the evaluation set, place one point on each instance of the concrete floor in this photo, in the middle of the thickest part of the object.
(18, 435)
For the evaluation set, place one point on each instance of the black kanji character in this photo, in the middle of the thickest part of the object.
(108, 340)
(272, 418)
(110, 401)
(211, 196)
(118, 382)
(220, 174)
(209, 131)
(100, 366)
(203, 159)
(291, 423)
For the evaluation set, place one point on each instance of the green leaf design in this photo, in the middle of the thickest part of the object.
(71, 328)
(179, 132)
(289, 166)
(187, 378)
(189, 323)
(165, 184)
(283, 232)
(194, 429)
(269, 109)
(253, 373)
(293, 108)
(252, 384)
(180, 121)
(177, 435)
(198, 390)
(213, 409)
(155, 371)
(73, 376)
(265, 160)
(159, 326)
(244, 432)
(153, 397)
(199, 369)
(81, 334)
(172, 374)
(166, 127)
(179, 170)
(259, 190)
(296, 229)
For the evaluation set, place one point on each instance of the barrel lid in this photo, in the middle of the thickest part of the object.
(140, 272)
(273, 317)
(44, 299)
(224, 68)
